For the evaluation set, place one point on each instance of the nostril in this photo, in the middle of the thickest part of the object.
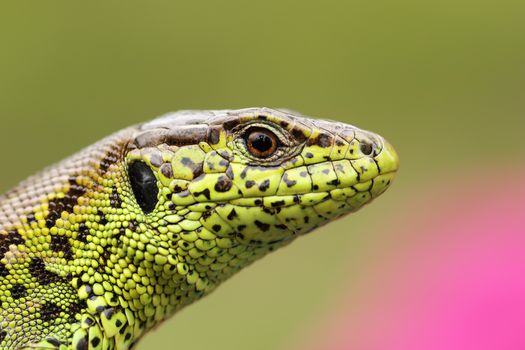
(366, 148)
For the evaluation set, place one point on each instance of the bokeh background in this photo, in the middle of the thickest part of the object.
(444, 81)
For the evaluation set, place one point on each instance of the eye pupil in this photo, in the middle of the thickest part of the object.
(261, 143)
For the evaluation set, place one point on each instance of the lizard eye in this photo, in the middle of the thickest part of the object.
(261, 143)
(144, 186)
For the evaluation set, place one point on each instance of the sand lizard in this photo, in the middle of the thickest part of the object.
(101, 247)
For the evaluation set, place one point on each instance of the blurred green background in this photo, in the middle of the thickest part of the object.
(444, 81)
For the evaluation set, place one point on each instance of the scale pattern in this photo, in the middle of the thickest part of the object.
(83, 265)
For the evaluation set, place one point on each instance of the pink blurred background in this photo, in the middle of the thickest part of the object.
(453, 278)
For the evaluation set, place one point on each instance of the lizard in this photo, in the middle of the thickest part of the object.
(100, 248)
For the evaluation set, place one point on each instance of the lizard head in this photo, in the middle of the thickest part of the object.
(120, 236)
(218, 189)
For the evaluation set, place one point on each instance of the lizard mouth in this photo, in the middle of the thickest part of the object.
(299, 214)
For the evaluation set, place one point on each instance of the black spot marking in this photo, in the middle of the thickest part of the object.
(309, 155)
(229, 172)
(298, 134)
(133, 225)
(262, 226)
(118, 323)
(54, 342)
(18, 291)
(66, 203)
(114, 198)
(269, 211)
(121, 232)
(206, 215)
(103, 220)
(83, 232)
(166, 170)
(12, 237)
(214, 135)
(3, 334)
(315, 187)
(196, 168)
(324, 140)
(288, 182)
(278, 203)
(334, 182)
(37, 268)
(61, 244)
(205, 193)
(241, 227)
(244, 173)
(103, 259)
(109, 159)
(95, 341)
(366, 148)
(232, 215)
(178, 189)
(82, 343)
(49, 312)
(281, 227)
(250, 183)
(3, 270)
(264, 185)
(31, 219)
(89, 290)
(99, 308)
(226, 155)
(224, 184)
(211, 165)
(258, 202)
(216, 227)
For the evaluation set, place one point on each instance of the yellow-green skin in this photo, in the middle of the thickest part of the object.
(82, 266)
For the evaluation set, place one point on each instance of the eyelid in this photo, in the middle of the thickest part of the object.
(283, 138)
